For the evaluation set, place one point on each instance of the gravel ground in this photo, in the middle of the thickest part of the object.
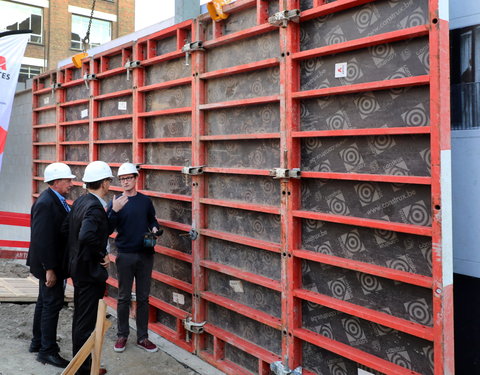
(15, 335)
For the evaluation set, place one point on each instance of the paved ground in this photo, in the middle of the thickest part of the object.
(15, 334)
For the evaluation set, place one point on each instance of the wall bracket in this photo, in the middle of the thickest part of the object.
(193, 171)
(285, 173)
(281, 19)
(190, 47)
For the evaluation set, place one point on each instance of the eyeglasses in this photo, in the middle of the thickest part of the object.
(124, 179)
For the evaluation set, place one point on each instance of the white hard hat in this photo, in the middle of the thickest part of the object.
(127, 168)
(57, 171)
(96, 171)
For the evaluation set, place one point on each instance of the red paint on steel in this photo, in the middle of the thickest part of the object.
(352, 353)
(270, 246)
(243, 206)
(268, 63)
(198, 158)
(362, 132)
(247, 276)
(244, 310)
(393, 36)
(440, 142)
(362, 87)
(369, 177)
(406, 277)
(367, 223)
(378, 317)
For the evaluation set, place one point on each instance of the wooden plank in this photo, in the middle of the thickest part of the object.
(24, 290)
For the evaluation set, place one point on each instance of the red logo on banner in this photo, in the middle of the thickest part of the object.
(3, 138)
(3, 63)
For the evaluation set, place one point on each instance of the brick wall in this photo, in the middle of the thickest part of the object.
(58, 24)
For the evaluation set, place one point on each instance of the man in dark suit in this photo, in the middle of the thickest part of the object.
(45, 258)
(88, 231)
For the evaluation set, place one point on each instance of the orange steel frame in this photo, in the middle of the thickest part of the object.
(290, 137)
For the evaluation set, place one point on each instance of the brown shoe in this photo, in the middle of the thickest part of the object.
(102, 371)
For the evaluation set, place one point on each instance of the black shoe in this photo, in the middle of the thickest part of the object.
(34, 348)
(52, 359)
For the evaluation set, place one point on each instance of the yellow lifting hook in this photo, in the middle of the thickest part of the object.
(215, 9)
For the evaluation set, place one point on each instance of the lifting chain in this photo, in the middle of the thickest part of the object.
(86, 40)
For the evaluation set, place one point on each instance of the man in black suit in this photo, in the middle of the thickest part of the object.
(46, 261)
(88, 231)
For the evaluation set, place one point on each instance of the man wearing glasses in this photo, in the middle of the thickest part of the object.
(132, 214)
(88, 231)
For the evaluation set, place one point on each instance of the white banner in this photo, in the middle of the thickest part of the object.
(12, 48)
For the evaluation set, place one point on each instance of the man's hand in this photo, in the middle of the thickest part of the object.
(119, 202)
(106, 261)
(51, 278)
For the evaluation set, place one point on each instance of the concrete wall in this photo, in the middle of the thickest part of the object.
(466, 170)
(16, 172)
(464, 13)
(466, 201)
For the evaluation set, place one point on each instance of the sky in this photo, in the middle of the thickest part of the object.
(149, 12)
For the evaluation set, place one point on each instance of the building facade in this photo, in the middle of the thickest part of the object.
(58, 27)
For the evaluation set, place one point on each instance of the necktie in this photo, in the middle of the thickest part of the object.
(64, 202)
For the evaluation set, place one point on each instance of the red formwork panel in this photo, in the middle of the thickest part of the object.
(343, 270)
(44, 127)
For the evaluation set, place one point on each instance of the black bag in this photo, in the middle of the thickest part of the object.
(149, 240)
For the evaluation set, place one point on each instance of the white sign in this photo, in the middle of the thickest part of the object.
(46, 100)
(363, 372)
(12, 48)
(178, 298)
(122, 106)
(341, 70)
(237, 286)
(84, 113)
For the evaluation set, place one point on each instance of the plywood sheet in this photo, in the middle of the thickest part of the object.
(24, 290)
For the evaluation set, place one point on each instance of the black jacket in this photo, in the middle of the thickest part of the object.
(87, 231)
(47, 243)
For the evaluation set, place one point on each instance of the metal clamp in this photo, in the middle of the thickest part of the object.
(55, 86)
(279, 369)
(192, 327)
(193, 171)
(89, 77)
(129, 65)
(193, 234)
(281, 19)
(285, 173)
(190, 47)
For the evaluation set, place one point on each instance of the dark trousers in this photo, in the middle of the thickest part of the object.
(45, 318)
(131, 266)
(86, 296)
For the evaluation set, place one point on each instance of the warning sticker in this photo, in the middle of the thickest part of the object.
(341, 70)
(84, 113)
(363, 372)
(178, 298)
(122, 106)
(46, 100)
(237, 286)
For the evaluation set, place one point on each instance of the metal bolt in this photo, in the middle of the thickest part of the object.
(438, 291)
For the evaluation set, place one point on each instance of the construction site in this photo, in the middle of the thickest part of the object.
(298, 157)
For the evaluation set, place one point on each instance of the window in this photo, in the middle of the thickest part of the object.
(465, 77)
(22, 17)
(100, 31)
(28, 71)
